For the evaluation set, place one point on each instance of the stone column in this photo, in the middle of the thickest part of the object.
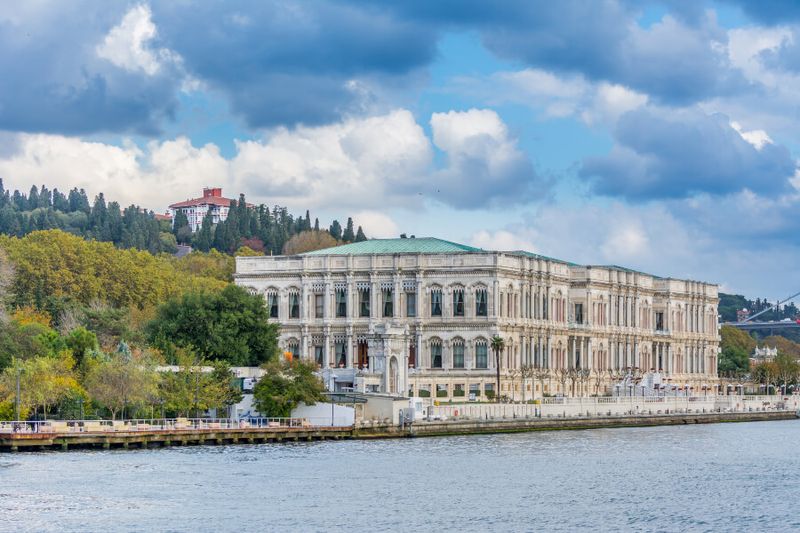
(327, 357)
(349, 348)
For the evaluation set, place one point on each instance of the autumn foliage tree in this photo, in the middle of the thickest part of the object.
(308, 241)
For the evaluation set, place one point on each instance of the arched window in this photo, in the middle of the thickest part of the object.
(458, 353)
(436, 302)
(458, 301)
(481, 302)
(272, 302)
(481, 354)
(436, 353)
(294, 303)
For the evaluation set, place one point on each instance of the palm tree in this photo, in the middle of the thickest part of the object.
(498, 345)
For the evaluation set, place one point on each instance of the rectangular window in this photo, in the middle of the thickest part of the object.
(579, 313)
(272, 304)
(458, 303)
(441, 391)
(363, 303)
(659, 321)
(458, 355)
(436, 303)
(341, 303)
(481, 306)
(488, 389)
(319, 354)
(319, 305)
(481, 359)
(411, 304)
(458, 389)
(294, 305)
(341, 354)
(388, 304)
(475, 388)
(436, 356)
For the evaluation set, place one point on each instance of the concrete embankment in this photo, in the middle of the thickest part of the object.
(162, 438)
(475, 427)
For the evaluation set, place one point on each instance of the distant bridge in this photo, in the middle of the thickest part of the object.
(748, 324)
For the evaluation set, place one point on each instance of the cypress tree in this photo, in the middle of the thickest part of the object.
(360, 235)
(335, 230)
(349, 235)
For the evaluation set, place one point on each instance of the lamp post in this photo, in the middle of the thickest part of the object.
(80, 403)
(17, 399)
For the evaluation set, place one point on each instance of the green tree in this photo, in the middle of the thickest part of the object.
(231, 326)
(498, 345)
(336, 230)
(120, 382)
(786, 369)
(227, 392)
(81, 341)
(349, 234)
(733, 362)
(193, 388)
(285, 385)
(44, 382)
(180, 227)
(735, 338)
(360, 235)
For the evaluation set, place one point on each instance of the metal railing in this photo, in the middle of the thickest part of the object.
(159, 424)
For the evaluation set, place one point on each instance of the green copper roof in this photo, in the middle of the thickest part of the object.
(419, 245)
(539, 256)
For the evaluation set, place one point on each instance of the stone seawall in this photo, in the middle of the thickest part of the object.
(475, 427)
(157, 439)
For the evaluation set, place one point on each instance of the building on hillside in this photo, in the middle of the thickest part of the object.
(742, 315)
(417, 317)
(165, 217)
(763, 354)
(212, 202)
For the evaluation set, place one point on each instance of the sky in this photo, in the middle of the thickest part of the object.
(658, 135)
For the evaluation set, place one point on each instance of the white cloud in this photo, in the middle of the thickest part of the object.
(126, 45)
(501, 240)
(484, 164)
(555, 95)
(359, 162)
(745, 46)
(376, 224)
(155, 177)
(758, 138)
(367, 164)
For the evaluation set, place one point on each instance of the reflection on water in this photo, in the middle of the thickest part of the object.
(708, 477)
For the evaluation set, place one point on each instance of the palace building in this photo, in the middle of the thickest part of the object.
(417, 317)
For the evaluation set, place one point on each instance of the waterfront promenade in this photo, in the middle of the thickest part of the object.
(456, 419)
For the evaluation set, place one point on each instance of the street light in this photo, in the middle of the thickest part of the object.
(17, 399)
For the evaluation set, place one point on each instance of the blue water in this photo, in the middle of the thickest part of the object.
(731, 477)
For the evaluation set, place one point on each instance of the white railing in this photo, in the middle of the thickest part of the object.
(159, 424)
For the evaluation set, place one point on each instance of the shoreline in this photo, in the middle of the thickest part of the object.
(10, 443)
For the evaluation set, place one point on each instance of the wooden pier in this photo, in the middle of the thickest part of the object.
(41, 437)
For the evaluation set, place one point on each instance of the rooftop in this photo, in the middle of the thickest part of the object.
(417, 245)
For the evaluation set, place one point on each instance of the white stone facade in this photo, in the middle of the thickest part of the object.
(416, 322)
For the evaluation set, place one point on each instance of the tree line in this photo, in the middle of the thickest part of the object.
(43, 209)
(261, 229)
(85, 327)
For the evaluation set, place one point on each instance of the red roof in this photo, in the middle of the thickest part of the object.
(209, 200)
(211, 196)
